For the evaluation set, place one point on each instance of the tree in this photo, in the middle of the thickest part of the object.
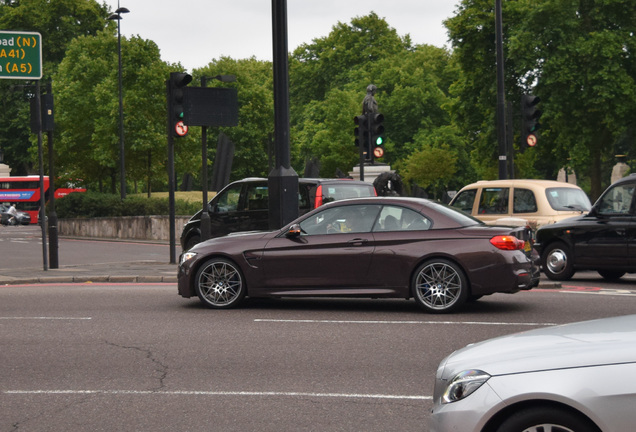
(329, 78)
(254, 84)
(578, 57)
(581, 55)
(87, 110)
(327, 62)
(58, 22)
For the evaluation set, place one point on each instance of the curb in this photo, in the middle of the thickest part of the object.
(90, 279)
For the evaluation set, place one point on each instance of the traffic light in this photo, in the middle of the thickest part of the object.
(176, 84)
(361, 133)
(377, 135)
(529, 120)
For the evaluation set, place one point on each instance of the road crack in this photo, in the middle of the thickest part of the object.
(160, 369)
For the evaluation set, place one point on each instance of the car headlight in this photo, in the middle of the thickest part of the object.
(463, 384)
(187, 256)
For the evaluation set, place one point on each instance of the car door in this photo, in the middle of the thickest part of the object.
(333, 252)
(606, 232)
(253, 213)
(400, 236)
(224, 217)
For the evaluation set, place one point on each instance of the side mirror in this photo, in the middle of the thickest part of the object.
(293, 231)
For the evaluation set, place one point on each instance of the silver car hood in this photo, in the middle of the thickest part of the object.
(588, 343)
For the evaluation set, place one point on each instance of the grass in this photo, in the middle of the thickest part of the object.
(189, 196)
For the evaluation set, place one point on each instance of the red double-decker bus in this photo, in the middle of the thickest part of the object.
(24, 191)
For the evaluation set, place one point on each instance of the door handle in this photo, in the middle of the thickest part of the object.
(358, 242)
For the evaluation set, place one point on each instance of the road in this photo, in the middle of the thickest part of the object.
(21, 247)
(138, 357)
(97, 356)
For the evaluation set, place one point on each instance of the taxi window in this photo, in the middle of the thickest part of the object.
(257, 197)
(494, 201)
(229, 199)
(465, 200)
(524, 201)
(617, 200)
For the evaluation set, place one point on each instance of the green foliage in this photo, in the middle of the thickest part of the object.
(59, 22)
(251, 138)
(87, 106)
(328, 83)
(94, 204)
(439, 105)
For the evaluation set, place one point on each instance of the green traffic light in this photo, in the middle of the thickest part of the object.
(379, 141)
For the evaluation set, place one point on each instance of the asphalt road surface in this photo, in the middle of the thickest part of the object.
(136, 357)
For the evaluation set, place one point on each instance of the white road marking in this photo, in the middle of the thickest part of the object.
(405, 322)
(217, 393)
(46, 318)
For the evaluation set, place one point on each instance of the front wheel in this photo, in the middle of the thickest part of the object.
(219, 284)
(558, 262)
(192, 241)
(440, 286)
(546, 419)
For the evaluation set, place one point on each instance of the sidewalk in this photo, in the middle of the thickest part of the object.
(142, 271)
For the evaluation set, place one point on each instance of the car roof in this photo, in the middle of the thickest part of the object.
(627, 179)
(521, 183)
(304, 180)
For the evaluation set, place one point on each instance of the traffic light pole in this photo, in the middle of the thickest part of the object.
(501, 102)
(282, 180)
(171, 206)
(205, 216)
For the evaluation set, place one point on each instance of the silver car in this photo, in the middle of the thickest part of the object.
(577, 377)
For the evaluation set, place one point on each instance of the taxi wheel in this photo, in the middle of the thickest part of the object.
(557, 262)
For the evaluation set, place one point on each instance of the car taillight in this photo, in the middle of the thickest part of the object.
(318, 201)
(507, 242)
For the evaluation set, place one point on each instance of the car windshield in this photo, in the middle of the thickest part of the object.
(568, 199)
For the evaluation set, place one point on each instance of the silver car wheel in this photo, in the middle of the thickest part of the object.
(439, 286)
(556, 261)
(219, 284)
(548, 428)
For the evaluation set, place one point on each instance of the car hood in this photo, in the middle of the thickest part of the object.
(237, 238)
(588, 343)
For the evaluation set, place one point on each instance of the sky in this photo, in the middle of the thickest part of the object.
(194, 32)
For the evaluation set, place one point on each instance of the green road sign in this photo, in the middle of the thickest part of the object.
(20, 55)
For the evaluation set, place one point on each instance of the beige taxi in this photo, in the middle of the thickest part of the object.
(532, 203)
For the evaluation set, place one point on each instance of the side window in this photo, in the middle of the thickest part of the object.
(229, 199)
(348, 219)
(617, 200)
(257, 197)
(465, 201)
(494, 201)
(400, 219)
(524, 201)
(303, 197)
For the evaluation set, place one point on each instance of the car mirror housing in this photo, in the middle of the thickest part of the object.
(293, 231)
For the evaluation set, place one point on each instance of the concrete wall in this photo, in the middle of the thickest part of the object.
(128, 227)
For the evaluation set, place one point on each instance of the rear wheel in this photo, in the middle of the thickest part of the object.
(557, 261)
(219, 284)
(546, 419)
(611, 274)
(440, 286)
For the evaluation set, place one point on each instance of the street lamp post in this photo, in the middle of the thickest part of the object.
(122, 166)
